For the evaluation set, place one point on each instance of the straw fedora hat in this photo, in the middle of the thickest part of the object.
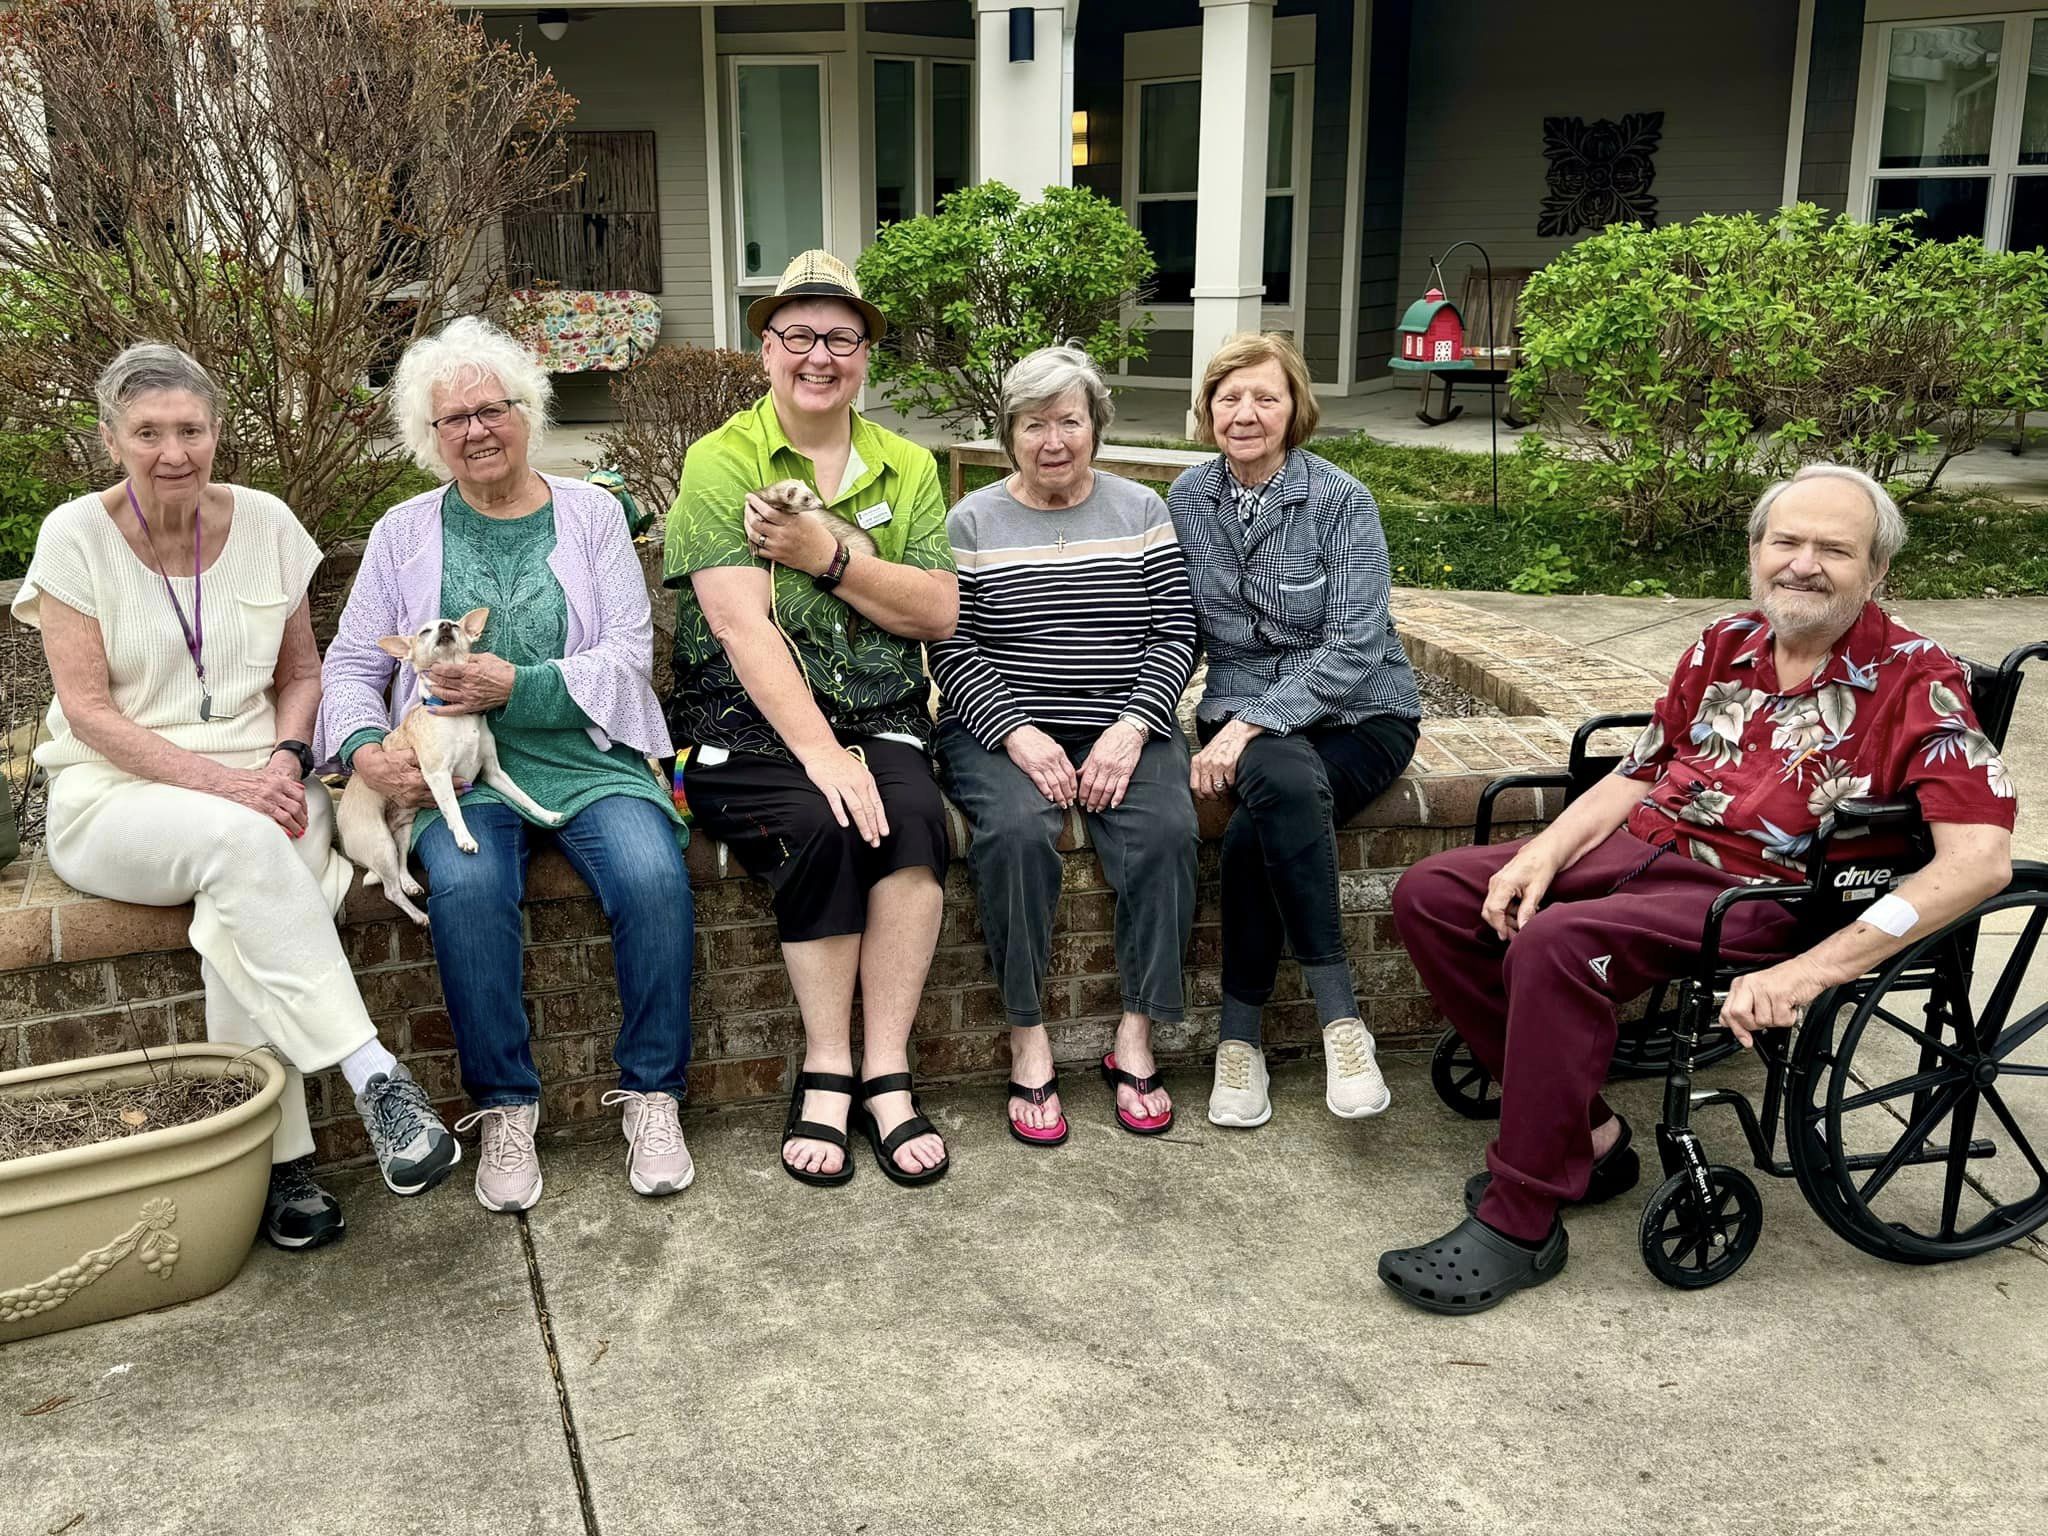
(816, 275)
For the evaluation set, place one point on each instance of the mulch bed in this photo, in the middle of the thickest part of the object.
(35, 1123)
(1441, 696)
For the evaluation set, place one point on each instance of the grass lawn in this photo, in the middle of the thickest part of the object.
(1437, 509)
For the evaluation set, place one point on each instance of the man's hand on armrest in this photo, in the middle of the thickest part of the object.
(1970, 864)
(1517, 889)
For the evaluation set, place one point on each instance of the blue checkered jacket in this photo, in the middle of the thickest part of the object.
(1294, 611)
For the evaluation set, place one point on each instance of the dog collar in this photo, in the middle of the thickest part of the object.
(431, 702)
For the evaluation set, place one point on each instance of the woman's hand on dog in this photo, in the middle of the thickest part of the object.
(484, 682)
(276, 793)
(394, 772)
(789, 538)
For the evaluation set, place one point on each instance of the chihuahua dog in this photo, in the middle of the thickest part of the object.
(375, 832)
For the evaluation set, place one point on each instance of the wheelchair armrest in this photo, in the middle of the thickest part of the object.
(1860, 818)
(1710, 946)
(1482, 820)
(1634, 720)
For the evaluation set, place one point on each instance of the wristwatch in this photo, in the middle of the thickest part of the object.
(299, 750)
(828, 578)
(1144, 731)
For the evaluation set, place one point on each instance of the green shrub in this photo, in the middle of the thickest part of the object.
(35, 475)
(668, 400)
(1697, 360)
(989, 278)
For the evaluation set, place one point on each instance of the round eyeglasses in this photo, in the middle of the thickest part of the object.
(842, 341)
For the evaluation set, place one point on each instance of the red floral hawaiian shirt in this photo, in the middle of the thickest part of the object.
(1745, 769)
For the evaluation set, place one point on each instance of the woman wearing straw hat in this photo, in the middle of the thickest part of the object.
(800, 679)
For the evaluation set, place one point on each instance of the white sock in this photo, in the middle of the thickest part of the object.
(365, 1062)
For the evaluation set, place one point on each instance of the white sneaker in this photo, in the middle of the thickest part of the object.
(657, 1162)
(508, 1166)
(1352, 1085)
(1239, 1096)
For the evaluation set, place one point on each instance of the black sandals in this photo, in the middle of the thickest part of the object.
(796, 1128)
(1615, 1172)
(1471, 1267)
(885, 1146)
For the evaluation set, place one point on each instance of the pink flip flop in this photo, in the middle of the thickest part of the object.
(1137, 1125)
(1050, 1136)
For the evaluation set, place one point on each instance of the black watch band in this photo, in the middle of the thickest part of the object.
(301, 751)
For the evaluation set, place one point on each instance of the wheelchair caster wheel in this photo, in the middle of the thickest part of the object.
(1460, 1081)
(1692, 1248)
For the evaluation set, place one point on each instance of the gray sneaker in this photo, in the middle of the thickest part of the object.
(414, 1150)
(508, 1164)
(657, 1162)
(297, 1213)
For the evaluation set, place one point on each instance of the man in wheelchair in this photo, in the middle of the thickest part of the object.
(1770, 720)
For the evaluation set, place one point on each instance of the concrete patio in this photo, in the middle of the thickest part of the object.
(1183, 1335)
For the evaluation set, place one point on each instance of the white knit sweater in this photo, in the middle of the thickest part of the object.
(252, 588)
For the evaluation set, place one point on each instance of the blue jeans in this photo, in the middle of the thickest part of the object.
(625, 850)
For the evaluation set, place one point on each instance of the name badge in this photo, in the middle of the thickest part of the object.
(875, 516)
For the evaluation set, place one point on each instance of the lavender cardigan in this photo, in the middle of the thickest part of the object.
(610, 640)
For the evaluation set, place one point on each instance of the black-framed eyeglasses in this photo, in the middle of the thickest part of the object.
(490, 416)
(841, 341)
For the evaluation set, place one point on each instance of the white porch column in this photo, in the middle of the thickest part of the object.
(1230, 183)
(1024, 111)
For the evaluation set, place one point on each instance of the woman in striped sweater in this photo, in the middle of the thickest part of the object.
(1058, 692)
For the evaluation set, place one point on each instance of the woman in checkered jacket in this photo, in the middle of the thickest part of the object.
(1309, 712)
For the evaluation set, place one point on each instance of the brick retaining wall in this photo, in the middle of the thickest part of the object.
(80, 975)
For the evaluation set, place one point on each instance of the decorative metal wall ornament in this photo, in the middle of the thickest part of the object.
(1600, 172)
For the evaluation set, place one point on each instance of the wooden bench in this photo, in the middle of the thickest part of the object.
(1118, 459)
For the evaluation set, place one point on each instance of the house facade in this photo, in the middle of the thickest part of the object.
(1295, 164)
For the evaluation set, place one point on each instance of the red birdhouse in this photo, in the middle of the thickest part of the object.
(1432, 335)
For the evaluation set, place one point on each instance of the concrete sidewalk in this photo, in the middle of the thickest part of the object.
(1182, 1336)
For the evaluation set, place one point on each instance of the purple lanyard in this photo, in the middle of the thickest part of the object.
(194, 632)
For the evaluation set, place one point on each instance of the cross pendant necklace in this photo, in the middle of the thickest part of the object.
(1060, 543)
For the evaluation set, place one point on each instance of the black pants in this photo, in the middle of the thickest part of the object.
(778, 825)
(1280, 848)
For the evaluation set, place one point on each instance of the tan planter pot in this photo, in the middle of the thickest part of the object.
(102, 1231)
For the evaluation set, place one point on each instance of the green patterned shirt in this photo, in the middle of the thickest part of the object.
(866, 681)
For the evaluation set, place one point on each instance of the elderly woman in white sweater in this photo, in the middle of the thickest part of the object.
(174, 615)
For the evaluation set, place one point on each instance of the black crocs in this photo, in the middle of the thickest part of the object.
(1471, 1267)
(1615, 1172)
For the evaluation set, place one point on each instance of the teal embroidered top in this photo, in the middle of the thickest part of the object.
(542, 734)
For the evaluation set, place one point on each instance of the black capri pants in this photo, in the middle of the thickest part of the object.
(777, 823)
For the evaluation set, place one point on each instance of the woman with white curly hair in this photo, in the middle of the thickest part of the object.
(563, 671)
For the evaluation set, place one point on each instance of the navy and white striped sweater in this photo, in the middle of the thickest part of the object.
(1068, 619)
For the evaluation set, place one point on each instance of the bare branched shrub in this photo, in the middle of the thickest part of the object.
(668, 400)
(291, 193)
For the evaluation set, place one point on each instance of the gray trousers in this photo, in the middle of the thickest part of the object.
(1147, 848)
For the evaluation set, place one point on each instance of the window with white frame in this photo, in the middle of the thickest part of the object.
(1169, 150)
(923, 122)
(1961, 128)
(778, 110)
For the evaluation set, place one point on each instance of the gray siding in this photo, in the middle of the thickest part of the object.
(741, 19)
(1485, 75)
(644, 69)
(1831, 103)
(1386, 160)
(923, 18)
(1323, 316)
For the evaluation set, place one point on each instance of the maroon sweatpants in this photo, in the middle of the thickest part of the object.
(1539, 1010)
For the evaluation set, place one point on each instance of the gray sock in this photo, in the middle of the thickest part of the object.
(1240, 1020)
(1331, 987)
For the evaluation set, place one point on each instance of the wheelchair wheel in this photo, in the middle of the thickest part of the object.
(1460, 1081)
(1692, 1246)
(1919, 1116)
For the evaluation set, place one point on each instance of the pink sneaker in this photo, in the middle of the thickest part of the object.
(657, 1162)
